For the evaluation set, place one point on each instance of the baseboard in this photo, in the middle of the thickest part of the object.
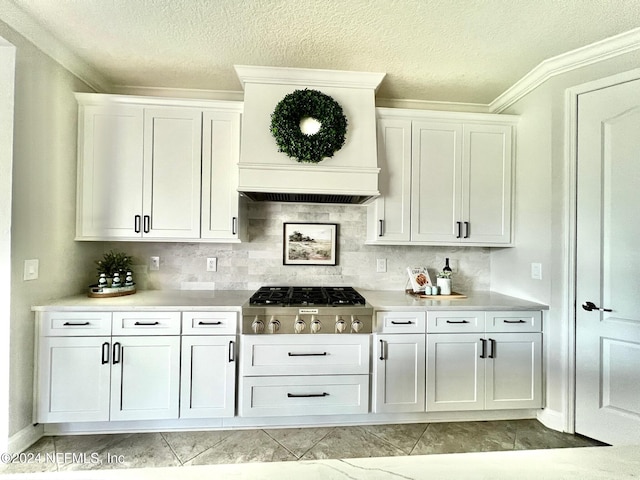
(25, 438)
(552, 419)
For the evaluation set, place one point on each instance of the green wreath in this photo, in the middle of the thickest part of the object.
(309, 148)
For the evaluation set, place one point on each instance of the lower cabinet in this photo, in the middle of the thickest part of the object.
(399, 372)
(470, 371)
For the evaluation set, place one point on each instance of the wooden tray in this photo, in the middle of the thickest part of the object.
(453, 296)
(107, 292)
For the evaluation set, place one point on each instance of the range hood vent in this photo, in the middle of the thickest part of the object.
(307, 198)
(350, 176)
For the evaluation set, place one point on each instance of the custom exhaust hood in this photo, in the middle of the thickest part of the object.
(350, 176)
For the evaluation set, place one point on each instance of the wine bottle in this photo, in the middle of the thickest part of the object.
(446, 268)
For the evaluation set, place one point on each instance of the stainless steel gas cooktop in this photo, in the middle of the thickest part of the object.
(298, 310)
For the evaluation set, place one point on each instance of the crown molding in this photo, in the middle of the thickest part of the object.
(405, 103)
(188, 93)
(581, 57)
(311, 77)
(25, 25)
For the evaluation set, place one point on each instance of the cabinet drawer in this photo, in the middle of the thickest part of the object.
(400, 322)
(146, 323)
(452, 322)
(514, 321)
(209, 323)
(305, 354)
(74, 324)
(307, 395)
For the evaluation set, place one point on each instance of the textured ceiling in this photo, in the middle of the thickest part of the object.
(466, 51)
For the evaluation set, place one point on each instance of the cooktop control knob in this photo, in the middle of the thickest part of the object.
(356, 325)
(316, 326)
(274, 325)
(257, 326)
(299, 325)
(341, 325)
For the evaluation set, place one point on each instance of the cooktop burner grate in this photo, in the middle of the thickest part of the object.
(306, 296)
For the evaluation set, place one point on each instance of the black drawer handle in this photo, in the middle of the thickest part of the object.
(492, 354)
(307, 395)
(483, 354)
(105, 353)
(146, 324)
(75, 324)
(514, 321)
(117, 348)
(232, 351)
(209, 323)
(393, 322)
(323, 354)
(458, 321)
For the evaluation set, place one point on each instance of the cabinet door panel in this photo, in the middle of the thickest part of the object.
(109, 171)
(72, 382)
(436, 181)
(455, 372)
(220, 155)
(208, 377)
(487, 183)
(172, 164)
(513, 376)
(146, 379)
(399, 373)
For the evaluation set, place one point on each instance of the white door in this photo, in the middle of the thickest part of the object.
(145, 378)
(399, 373)
(208, 376)
(73, 379)
(608, 265)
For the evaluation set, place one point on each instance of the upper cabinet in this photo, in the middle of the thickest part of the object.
(446, 179)
(157, 170)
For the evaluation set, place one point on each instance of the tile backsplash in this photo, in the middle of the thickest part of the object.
(258, 261)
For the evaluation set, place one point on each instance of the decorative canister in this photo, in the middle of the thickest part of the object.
(445, 285)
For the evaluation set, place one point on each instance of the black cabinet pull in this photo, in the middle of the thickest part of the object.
(147, 224)
(458, 321)
(514, 321)
(492, 354)
(466, 230)
(323, 354)
(209, 323)
(381, 228)
(232, 351)
(234, 225)
(117, 348)
(483, 354)
(381, 349)
(75, 324)
(136, 223)
(105, 353)
(146, 324)
(307, 395)
(459, 224)
(409, 322)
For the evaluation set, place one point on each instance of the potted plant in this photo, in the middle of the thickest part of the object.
(444, 282)
(114, 262)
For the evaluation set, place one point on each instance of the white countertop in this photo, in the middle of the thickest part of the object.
(232, 300)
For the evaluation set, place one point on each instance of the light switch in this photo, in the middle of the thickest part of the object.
(381, 265)
(536, 271)
(31, 268)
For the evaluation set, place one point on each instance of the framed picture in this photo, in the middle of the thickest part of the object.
(310, 244)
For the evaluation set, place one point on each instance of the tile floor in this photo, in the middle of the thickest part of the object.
(174, 449)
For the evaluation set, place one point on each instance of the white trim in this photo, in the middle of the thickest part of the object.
(191, 93)
(25, 438)
(311, 77)
(26, 26)
(581, 57)
(441, 115)
(408, 103)
(105, 99)
(571, 161)
(552, 419)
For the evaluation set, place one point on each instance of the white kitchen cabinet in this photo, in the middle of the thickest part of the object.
(221, 204)
(208, 372)
(472, 365)
(73, 379)
(460, 188)
(399, 373)
(145, 378)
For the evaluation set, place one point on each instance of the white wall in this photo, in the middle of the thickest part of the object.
(542, 228)
(43, 207)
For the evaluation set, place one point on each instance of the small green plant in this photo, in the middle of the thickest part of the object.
(444, 274)
(112, 262)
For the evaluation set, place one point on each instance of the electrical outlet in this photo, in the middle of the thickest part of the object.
(212, 264)
(536, 271)
(154, 263)
(381, 265)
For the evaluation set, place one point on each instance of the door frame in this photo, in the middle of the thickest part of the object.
(571, 205)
